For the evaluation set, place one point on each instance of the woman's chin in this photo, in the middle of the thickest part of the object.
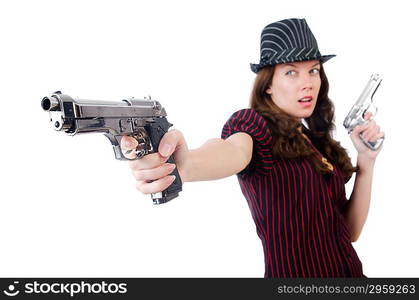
(305, 115)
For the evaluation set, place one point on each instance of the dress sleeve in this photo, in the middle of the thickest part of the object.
(252, 123)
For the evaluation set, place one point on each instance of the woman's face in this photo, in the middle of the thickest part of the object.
(295, 87)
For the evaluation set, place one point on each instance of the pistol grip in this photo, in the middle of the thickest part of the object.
(373, 145)
(156, 132)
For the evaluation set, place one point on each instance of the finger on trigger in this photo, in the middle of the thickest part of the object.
(367, 115)
(128, 146)
(128, 143)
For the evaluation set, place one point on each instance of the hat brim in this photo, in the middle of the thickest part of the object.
(257, 67)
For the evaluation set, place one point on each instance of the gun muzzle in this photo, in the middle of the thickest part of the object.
(50, 104)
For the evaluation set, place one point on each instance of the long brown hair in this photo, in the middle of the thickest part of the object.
(288, 142)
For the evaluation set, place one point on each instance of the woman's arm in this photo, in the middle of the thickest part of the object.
(216, 159)
(219, 158)
(356, 210)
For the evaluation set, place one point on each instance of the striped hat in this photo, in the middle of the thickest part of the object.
(286, 41)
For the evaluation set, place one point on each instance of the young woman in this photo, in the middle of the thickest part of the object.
(290, 169)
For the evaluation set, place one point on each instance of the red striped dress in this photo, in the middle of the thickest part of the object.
(297, 211)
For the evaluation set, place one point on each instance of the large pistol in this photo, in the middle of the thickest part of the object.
(356, 115)
(143, 119)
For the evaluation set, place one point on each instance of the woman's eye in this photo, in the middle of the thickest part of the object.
(293, 73)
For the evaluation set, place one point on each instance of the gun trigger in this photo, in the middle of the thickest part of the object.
(373, 113)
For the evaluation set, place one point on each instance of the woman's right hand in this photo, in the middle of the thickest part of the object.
(151, 172)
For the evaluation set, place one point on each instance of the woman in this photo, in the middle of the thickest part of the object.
(290, 169)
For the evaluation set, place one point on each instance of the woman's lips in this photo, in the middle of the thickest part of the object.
(306, 98)
(306, 101)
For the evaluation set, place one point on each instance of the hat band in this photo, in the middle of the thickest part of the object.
(271, 57)
(287, 55)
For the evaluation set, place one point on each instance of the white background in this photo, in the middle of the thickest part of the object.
(68, 208)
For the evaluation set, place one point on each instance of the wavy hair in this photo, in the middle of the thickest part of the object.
(288, 142)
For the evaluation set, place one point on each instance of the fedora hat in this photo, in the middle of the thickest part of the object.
(286, 41)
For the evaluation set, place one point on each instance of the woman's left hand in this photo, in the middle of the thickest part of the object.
(370, 132)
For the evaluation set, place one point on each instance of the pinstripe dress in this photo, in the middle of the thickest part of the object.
(296, 210)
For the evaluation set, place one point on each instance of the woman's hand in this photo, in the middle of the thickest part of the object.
(370, 132)
(151, 172)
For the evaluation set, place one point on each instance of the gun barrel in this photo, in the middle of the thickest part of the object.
(369, 89)
(50, 104)
(82, 108)
(81, 116)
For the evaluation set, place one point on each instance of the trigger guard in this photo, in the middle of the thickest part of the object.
(138, 154)
(372, 113)
(143, 148)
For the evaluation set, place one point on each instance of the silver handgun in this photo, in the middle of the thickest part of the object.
(143, 119)
(356, 115)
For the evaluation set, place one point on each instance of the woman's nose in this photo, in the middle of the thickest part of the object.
(307, 82)
(308, 85)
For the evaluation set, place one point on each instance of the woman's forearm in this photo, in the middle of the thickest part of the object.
(356, 211)
(216, 159)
